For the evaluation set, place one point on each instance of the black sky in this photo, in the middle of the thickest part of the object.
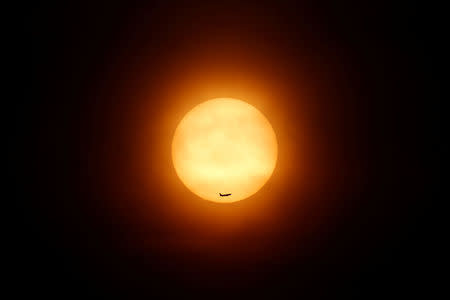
(372, 81)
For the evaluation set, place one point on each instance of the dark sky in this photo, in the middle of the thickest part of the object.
(354, 77)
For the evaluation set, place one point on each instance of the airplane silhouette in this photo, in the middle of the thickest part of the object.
(224, 195)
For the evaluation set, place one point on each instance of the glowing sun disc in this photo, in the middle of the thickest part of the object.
(224, 146)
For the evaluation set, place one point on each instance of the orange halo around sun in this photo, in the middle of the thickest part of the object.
(224, 146)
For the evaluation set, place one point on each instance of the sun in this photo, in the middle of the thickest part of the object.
(224, 150)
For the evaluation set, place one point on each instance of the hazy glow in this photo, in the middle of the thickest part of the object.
(224, 145)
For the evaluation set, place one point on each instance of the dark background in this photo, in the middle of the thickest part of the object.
(77, 184)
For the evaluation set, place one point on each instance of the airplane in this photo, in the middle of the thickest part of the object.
(224, 195)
